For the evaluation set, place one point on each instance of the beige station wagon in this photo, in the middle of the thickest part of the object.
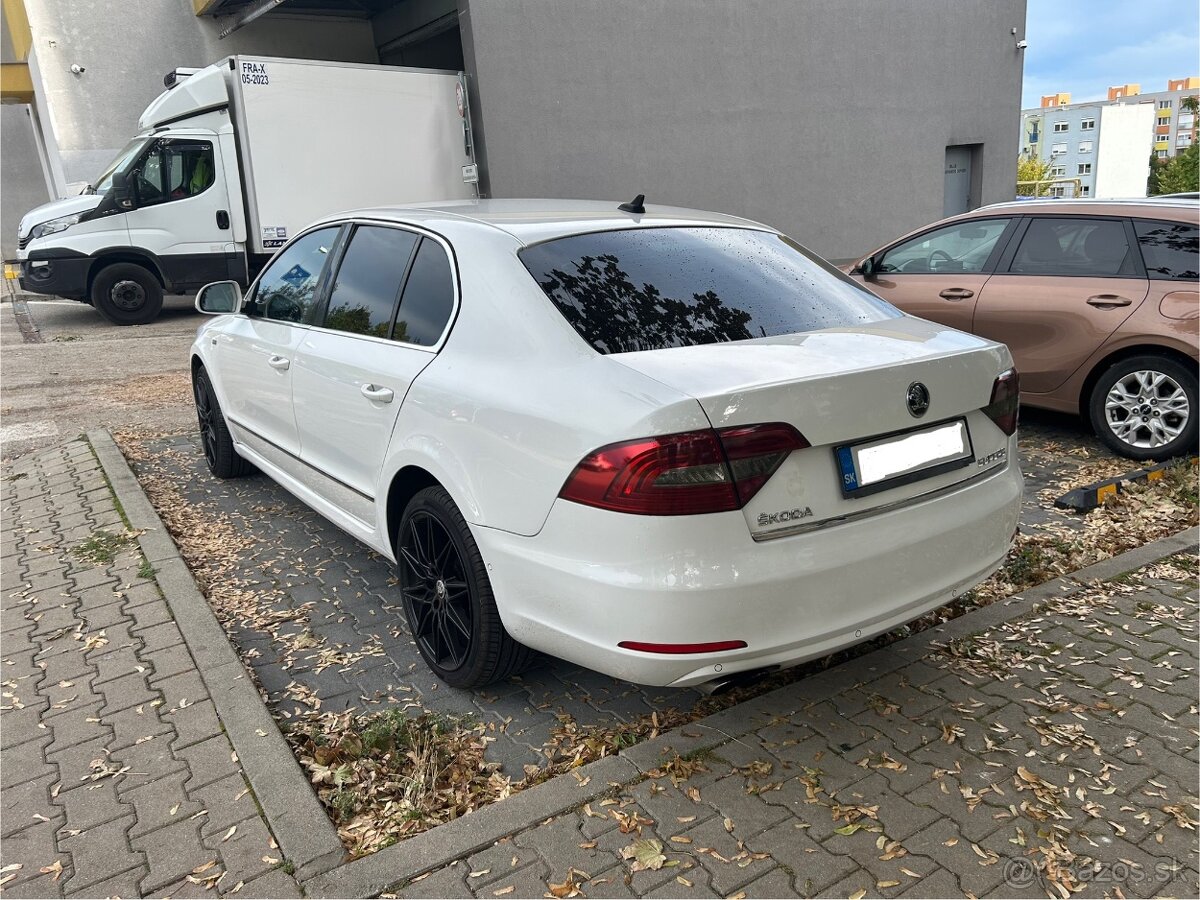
(1097, 300)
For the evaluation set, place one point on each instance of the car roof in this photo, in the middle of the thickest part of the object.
(531, 221)
(1151, 206)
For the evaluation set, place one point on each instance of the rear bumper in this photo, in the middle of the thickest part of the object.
(591, 579)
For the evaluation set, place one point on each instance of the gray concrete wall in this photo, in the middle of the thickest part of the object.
(827, 118)
(22, 186)
(126, 46)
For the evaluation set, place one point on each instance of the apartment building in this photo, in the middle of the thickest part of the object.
(1106, 144)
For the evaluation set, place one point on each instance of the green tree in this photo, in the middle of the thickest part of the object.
(1030, 168)
(1156, 167)
(1182, 173)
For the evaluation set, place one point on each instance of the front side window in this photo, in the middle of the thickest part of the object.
(654, 288)
(1087, 125)
(1084, 247)
(1169, 249)
(962, 247)
(174, 170)
(364, 293)
(1060, 127)
(428, 299)
(1085, 168)
(1058, 149)
(1085, 146)
(287, 289)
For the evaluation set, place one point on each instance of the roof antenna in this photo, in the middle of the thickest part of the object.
(636, 207)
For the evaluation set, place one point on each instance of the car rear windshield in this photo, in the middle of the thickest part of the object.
(652, 288)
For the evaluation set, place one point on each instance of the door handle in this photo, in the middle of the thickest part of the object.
(375, 392)
(223, 219)
(956, 294)
(282, 363)
(1108, 301)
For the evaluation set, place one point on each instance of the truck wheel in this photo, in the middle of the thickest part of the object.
(127, 294)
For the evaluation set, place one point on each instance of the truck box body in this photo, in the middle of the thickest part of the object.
(286, 142)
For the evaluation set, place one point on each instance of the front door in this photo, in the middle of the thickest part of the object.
(182, 213)
(389, 304)
(1070, 283)
(256, 352)
(939, 274)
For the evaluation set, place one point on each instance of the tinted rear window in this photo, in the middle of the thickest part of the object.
(1170, 249)
(651, 288)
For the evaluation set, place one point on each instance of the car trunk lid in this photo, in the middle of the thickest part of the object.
(841, 388)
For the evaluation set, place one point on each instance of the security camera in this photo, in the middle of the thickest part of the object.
(77, 69)
(1021, 45)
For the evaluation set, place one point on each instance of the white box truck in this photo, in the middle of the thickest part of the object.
(234, 158)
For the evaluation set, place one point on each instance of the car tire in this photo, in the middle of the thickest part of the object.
(127, 294)
(1159, 395)
(219, 452)
(448, 597)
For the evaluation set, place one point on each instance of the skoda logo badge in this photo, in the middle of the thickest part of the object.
(918, 399)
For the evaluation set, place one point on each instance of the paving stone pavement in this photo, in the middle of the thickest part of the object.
(1057, 749)
(327, 626)
(117, 777)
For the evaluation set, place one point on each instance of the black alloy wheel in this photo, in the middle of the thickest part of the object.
(448, 597)
(222, 458)
(437, 597)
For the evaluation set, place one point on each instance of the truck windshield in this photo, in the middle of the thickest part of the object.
(131, 150)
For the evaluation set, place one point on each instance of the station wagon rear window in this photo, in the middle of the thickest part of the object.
(653, 288)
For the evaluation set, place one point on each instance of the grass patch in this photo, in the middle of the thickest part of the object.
(146, 571)
(102, 547)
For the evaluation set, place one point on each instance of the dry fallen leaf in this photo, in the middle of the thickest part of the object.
(646, 855)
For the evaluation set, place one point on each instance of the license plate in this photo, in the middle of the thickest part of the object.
(888, 462)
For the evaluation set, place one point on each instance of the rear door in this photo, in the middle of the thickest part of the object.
(1063, 288)
(939, 274)
(389, 305)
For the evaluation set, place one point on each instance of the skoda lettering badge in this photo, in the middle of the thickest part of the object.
(918, 399)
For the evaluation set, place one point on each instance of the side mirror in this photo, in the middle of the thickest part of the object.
(219, 298)
(868, 269)
(123, 194)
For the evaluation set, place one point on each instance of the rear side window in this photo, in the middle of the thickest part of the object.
(1083, 247)
(1170, 249)
(652, 288)
(428, 297)
(364, 294)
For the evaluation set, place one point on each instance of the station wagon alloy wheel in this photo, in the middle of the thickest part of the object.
(1147, 409)
(437, 598)
(1144, 407)
(206, 414)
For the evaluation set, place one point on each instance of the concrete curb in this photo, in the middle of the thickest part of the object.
(303, 831)
(371, 875)
(1093, 495)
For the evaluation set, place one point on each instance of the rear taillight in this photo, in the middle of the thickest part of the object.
(683, 474)
(1006, 398)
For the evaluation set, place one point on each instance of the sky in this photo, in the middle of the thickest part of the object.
(1084, 46)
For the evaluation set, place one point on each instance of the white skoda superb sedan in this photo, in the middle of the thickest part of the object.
(668, 445)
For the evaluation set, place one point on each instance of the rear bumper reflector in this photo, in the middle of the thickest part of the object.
(713, 647)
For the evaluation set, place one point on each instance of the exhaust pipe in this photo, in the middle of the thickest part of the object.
(727, 683)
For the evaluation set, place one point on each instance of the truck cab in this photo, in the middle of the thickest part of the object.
(233, 158)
